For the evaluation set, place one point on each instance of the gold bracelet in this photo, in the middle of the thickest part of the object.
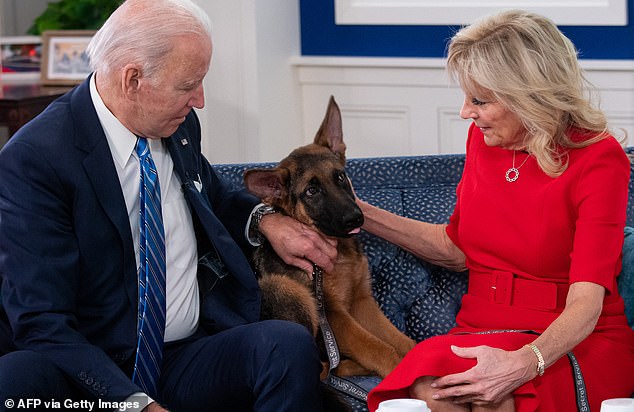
(540, 359)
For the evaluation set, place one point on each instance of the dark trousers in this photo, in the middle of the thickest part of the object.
(265, 366)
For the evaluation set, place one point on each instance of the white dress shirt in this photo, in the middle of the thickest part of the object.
(180, 242)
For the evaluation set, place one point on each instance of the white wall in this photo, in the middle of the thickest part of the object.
(408, 107)
(16, 16)
(253, 102)
(263, 99)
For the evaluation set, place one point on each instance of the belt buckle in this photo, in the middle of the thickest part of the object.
(502, 287)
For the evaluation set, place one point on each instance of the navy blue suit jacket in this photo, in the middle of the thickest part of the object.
(69, 277)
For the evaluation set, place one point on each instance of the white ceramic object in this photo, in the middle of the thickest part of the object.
(618, 405)
(403, 405)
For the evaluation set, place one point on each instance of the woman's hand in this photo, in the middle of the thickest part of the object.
(496, 374)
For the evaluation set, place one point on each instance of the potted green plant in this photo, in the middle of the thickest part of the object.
(74, 15)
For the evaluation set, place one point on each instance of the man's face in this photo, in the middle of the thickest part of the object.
(168, 97)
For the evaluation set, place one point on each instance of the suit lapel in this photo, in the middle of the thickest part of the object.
(100, 169)
(187, 166)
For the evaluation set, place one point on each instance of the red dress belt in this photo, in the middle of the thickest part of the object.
(505, 288)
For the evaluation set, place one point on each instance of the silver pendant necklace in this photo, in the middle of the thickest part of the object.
(514, 172)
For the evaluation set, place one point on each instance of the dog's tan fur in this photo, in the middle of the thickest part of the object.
(310, 185)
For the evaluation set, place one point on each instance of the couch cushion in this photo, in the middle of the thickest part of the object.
(420, 299)
(626, 278)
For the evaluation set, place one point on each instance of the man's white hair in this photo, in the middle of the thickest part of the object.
(142, 32)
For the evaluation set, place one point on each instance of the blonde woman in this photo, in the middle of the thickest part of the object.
(539, 224)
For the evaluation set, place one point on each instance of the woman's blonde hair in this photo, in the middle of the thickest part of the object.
(530, 67)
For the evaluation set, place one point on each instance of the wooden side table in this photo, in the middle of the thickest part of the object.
(19, 103)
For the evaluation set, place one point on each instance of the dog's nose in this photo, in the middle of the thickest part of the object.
(353, 219)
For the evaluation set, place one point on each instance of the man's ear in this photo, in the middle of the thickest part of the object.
(131, 77)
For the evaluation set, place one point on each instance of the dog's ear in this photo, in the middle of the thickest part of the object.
(267, 184)
(330, 133)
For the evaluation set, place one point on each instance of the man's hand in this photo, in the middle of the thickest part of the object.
(297, 244)
(154, 407)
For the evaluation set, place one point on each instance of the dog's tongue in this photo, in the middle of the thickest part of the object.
(354, 231)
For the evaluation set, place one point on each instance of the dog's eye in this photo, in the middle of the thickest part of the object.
(341, 177)
(312, 191)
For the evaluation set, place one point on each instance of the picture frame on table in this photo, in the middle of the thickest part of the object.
(20, 58)
(64, 59)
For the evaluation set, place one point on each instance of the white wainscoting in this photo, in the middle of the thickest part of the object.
(394, 107)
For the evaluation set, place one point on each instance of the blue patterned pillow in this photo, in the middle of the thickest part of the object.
(420, 299)
(626, 278)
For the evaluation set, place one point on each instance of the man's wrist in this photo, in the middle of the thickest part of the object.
(138, 401)
(255, 236)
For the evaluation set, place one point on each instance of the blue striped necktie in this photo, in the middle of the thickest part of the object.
(151, 320)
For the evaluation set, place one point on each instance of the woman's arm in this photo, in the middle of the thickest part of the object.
(583, 307)
(427, 241)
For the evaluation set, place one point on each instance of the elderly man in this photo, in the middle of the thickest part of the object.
(122, 256)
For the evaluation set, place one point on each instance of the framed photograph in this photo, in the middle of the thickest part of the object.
(20, 58)
(64, 59)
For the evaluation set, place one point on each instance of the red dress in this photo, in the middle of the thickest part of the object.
(525, 241)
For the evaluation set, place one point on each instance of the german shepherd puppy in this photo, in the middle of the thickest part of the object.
(311, 186)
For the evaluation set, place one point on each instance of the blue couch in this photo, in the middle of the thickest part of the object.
(420, 299)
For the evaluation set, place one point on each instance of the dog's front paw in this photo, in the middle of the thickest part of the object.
(348, 367)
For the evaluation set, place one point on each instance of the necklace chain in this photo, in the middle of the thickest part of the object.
(513, 173)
